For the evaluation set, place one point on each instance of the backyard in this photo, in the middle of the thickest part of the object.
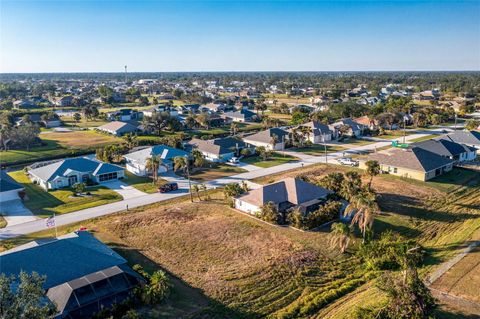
(44, 204)
(274, 160)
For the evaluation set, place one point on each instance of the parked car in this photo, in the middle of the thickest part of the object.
(347, 161)
(233, 160)
(168, 187)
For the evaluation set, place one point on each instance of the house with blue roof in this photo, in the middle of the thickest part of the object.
(70, 171)
(136, 162)
(82, 275)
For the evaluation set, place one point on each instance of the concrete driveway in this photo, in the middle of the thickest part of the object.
(126, 191)
(16, 213)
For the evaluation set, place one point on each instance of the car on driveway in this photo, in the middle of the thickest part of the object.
(234, 160)
(348, 161)
(168, 187)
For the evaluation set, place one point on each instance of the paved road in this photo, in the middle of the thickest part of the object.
(16, 213)
(78, 216)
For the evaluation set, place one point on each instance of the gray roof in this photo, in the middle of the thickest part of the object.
(348, 121)
(290, 189)
(317, 128)
(218, 146)
(61, 260)
(415, 158)
(7, 183)
(443, 147)
(165, 153)
(79, 164)
(242, 114)
(266, 136)
(464, 137)
(119, 127)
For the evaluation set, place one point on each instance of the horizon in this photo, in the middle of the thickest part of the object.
(231, 36)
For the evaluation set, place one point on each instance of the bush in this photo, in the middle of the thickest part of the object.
(269, 213)
(324, 214)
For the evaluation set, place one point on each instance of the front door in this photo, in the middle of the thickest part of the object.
(72, 180)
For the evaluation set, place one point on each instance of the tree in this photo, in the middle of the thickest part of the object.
(152, 164)
(203, 188)
(79, 188)
(297, 219)
(472, 125)
(181, 162)
(109, 154)
(23, 297)
(373, 169)
(204, 120)
(364, 207)
(198, 159)
(157, 287)
(25, 135)
(333, 181)
(233, 190)
(340, 236)
(269, 213)
(77, 117)
(130, 140)
(274, 140)
(263, 152)
(196, 189)
(245, 152)
(234, 128)
(351, 185)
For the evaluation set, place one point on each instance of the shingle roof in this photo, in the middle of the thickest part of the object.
(266, 136)
(218, 146)
(465, 137)
(165, 153)
(7, 183)
(242, 114)
(119, 127)
(348, 121)
(79, 164)
(415, 158)
(318, 128)
(61, 260)
(289, 189)
(442, 147)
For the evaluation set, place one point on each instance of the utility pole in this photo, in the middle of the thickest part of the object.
(404, 129)
(325, 148)
(125, 74)
(455, 127)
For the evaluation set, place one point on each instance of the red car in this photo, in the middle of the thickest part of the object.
(168, 187)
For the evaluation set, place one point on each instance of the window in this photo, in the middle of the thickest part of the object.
(107, 177)
(395, 170)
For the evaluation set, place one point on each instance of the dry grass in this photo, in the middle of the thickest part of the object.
(81, 139)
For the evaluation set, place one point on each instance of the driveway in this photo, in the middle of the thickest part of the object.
(16, 213)
(126, 191)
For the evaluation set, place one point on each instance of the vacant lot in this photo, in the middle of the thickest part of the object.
(62, 201)
(274, 160)
(318, 149)
(213, 171)
(80, 139)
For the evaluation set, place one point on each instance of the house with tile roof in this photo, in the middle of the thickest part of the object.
(220, 149)
(266, 138)
(416, 163)
(82, 275)
(67, 172)
(136, 162)
(9, 188)
(118, 128)
(284, 194)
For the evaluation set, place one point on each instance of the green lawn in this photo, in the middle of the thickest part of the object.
(213, 171)
(355, 142)
(143, 184)
(423, 138)
(43, 203)
(318, 149)
(274, 160)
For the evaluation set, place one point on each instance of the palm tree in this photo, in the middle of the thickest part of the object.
(365, 207)
(306, 131)
(198, 159)
(152, 164)
(234, 128)
(196, 190)
(203, 188)
(181, 162)
(157, 288)
(373, 169)
(340, 236)
(130, 140)
(274, 141)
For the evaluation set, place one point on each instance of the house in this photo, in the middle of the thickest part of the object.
(367, 122)
(64, 101)
(118, 128)
(449, 149)
(285, 194)
(272, 139)
(173, 111)
(136, 161)
(24, 104)
(53, 121)
(354, 129)
(125, 115)
(70, 171)
(414, 162)
(220, 149)
(319, 132)
(429, 95)
(242, 116)
(213, 107)
(469, 138)
(9, 188)
(82, 275)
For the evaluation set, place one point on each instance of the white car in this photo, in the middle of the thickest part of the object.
(234, 160)
(347, 161)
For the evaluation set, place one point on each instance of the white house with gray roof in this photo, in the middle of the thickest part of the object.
(136, 162)
(70, 171)
(271, 139)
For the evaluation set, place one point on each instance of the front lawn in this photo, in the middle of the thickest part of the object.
(274, 160)
(213, 171)
(318, 149)
(143, 184)
(43, 203)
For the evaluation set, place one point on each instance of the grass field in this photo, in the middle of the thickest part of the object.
(83, 123)
(274, 160)
(61, 201)
(356, 142)
(423, 138)
(80, 139)
(318, 149)
(213, 171)
(143, 184)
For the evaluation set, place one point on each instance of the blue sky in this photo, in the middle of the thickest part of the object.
(94, 36)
